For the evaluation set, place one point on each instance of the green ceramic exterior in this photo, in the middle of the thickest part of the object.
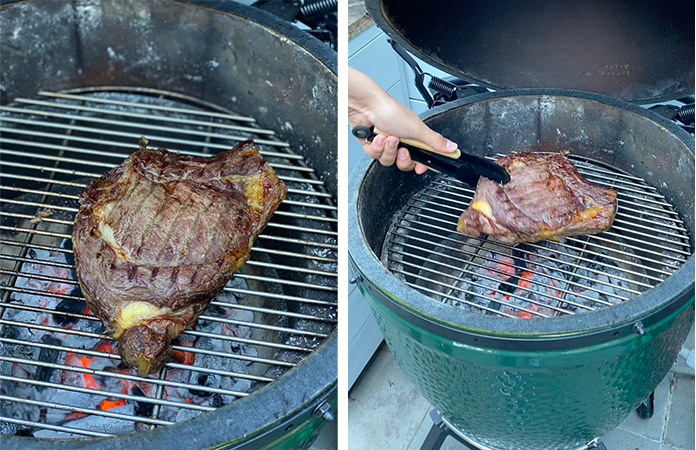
(302, 436)
(534, 400)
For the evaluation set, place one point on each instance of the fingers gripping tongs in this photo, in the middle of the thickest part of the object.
(462, 166)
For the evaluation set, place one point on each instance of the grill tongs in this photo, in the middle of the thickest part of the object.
(462, 166)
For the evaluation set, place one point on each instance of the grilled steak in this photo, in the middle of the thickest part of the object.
(546, 198)
(158, 237)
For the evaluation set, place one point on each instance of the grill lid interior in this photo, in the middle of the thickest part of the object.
(637, 51)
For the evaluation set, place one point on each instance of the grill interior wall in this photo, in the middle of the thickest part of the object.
(242, 59)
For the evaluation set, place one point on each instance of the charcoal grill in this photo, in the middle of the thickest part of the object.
(258, 368)
(498, 379)
(543, 346)
(647, 243)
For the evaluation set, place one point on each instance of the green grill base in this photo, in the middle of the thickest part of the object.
(541, 400)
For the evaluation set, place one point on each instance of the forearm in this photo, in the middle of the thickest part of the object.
(364, 97)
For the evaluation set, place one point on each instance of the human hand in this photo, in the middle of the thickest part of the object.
(370, 105)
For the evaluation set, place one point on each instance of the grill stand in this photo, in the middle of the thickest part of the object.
(441, 430)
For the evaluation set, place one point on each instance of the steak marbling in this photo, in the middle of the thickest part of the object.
(158, 237)
(546, 198)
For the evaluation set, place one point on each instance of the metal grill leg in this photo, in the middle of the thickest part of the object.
(439, 432)
(646, 409)
(436, 437)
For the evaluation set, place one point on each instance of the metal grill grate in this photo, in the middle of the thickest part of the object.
(272, 314)
(647, 243)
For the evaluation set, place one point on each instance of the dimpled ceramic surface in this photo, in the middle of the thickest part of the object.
(524, 400)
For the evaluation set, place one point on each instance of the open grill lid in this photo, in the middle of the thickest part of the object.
(639, 51)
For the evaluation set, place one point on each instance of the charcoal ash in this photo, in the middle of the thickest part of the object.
(5, 366)
(93, 423)
(239, 285)
(19, 411)
(225, 364)
(185, 414)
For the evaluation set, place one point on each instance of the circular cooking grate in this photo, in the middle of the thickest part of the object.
(61, 374)
(647, 243)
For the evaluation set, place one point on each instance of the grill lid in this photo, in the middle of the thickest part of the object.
(638, 51)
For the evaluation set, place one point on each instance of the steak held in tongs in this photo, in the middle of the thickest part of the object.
(546, 198)
(158, 237)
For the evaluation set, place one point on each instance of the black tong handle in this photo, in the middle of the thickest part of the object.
(417, 154)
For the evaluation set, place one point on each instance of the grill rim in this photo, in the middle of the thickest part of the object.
(569, 331)
(290, 399)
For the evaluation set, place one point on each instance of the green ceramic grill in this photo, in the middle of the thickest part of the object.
(545, 346)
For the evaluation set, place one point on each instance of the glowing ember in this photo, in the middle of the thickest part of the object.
(108, 404)
(90, 382)
(535, 282)
(65, 309)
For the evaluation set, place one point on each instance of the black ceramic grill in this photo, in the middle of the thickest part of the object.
(64, 371)
(647, 243)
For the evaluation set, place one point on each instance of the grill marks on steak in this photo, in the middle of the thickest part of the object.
(546, 198)
(158, 237)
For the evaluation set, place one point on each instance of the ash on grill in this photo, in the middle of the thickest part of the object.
(60, 375)
(545, 279)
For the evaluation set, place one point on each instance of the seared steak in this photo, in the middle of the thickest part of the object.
(546, 198)
(158, 237)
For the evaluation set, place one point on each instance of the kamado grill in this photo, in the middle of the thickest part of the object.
(548, 345)
(81, 83)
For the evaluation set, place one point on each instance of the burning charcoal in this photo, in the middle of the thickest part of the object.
(238, 283)
(69, 257)
(142, 409)
(72, 306)
(94, 423)
(204, 379)
(47, 355)
(217, 401)
(25, 432)
(186, 414)
(215, 311)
